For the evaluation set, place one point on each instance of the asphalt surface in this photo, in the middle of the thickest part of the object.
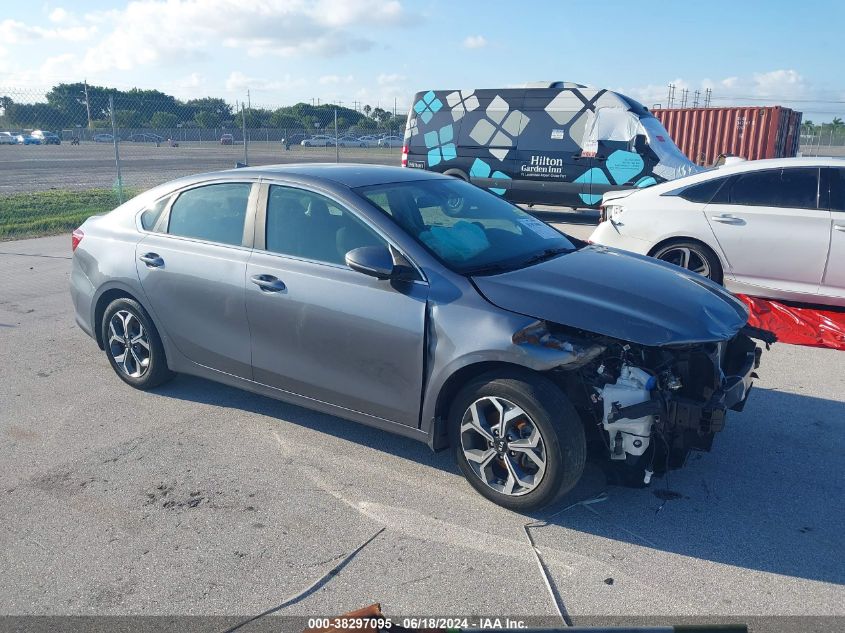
(92, 165)
(201, 499)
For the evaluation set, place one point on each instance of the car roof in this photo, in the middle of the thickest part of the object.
(347, 174)
(740, 168)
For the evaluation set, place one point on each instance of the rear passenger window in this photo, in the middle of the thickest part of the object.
(795, 188)
(703, 192)
(837, 189)
(307, 225)
(215, 213)
(151, 214)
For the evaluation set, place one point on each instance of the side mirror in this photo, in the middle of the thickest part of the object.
(375, 261)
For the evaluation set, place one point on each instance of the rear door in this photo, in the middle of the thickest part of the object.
(833, 282)
(771, 229)
(192, 268)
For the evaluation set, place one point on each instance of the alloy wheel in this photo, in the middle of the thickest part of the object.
(129, 344)
(503, 446)
(686, 257)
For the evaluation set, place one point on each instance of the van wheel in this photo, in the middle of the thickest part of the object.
(517, 439)
(692, 255)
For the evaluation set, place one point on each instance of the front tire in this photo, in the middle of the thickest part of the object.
(517, 439)
(694, 256)
(133, 345)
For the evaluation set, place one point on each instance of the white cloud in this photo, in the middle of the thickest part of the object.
(16, 32)
(164, 31)
(779, 83)
(329, 80)
(475, 41)
(386, 79)
(239, 83)
(59, 15)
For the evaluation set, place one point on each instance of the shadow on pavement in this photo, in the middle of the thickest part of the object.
(768, 498)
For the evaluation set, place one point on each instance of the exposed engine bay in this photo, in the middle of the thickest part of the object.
(648, 407)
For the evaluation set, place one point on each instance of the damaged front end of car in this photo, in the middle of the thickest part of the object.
(647, 407)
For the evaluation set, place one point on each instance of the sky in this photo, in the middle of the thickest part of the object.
(381, 52)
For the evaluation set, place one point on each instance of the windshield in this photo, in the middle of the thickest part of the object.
(470, 230)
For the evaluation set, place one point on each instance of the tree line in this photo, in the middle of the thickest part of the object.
(80, 105)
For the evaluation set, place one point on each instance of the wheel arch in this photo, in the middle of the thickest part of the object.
(684, 238)
(439, 435)
(104, 298)
(457, 173)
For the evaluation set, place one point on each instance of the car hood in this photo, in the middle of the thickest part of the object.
(621, 295)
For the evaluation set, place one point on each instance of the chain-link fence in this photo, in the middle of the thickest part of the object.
(78, 137)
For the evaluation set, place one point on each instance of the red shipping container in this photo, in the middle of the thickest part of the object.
(750, 132)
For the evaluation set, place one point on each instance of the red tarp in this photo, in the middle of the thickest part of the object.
(798, 325)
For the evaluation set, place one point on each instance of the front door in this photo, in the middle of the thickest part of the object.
(833, 283)
(193, 275)
(322, 330)
(771, 230)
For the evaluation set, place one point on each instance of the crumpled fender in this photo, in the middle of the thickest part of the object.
(796, 324)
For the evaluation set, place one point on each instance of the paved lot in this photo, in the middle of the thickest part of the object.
(91, 165)
(201, 499)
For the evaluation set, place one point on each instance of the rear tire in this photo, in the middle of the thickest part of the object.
(691, 255)
(538, 418)
(133, 345)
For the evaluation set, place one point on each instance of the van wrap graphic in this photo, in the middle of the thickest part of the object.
(428, 106)
(480, 169)
(533, 136)
(441, 147)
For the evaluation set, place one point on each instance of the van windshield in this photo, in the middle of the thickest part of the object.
(470, 230)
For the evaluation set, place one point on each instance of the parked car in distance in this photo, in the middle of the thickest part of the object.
(390, 141)
(295, 138)
(6, 138)
(370, 140)
(27, 139)
(227, 139)
(350, 141)
(470, 325)
(47, 138)
(557, 143)
(103, 138)
(769, 228)
(145, 137)
(319, 140)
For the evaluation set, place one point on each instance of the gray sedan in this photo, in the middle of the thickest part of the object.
(421, 305)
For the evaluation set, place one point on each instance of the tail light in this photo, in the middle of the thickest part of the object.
(76, 238)
(404, 156)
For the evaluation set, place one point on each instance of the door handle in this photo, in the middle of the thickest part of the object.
(152, 260)
(727, 219)
(268, 283)
(839, 227)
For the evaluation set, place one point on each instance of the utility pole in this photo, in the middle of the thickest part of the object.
(243, 122)
(248, 100)
(684, 94)
(88, 106)
(695, 97)
(336, 144)
(116, 151)
(671, 99)
(707, 94)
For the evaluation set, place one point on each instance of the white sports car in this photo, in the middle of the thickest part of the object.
(771, 228)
